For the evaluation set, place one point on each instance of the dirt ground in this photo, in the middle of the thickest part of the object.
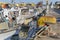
(56, 28)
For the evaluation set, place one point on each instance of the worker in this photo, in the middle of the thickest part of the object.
(33, 25)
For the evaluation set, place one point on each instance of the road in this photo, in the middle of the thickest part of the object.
(57, 11)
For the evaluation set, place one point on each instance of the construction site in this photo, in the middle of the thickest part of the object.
(30, 20)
